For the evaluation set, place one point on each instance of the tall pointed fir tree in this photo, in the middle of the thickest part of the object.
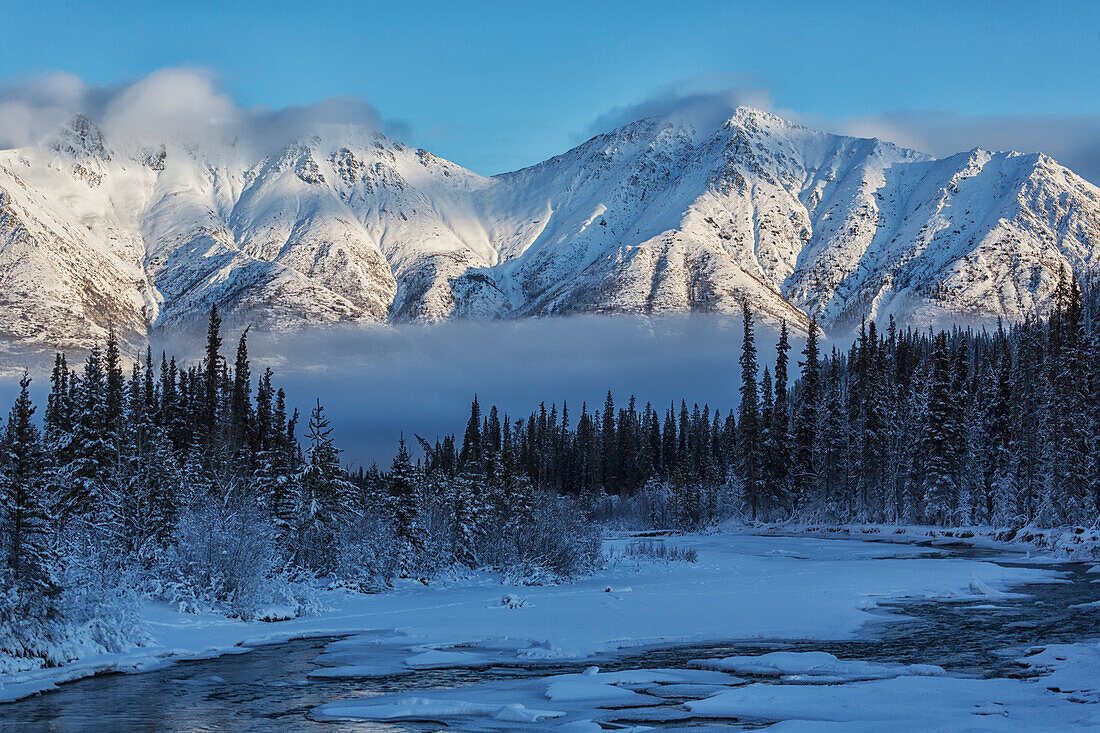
(240, 404)
(609, 452)
(114, 396)
(86, 479)
(748, 421)
(471, 453)
(940, 484)
(326, 488)
(780, 429)
(211, 377)
(406, 508)
(805, 419)
(27, 522)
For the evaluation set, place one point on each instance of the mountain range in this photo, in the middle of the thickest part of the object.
(658, 216)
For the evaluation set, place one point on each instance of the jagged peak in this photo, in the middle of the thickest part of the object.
(81, 137)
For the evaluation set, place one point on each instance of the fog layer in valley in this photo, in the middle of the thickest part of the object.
(377, 382)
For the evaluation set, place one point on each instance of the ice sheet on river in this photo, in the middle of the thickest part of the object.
(913, 698)
(816, 667)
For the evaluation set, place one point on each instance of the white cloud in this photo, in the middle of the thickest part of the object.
(1073, 140)
(707, 100)
(171, 103)
(31, 109)
(175, 103)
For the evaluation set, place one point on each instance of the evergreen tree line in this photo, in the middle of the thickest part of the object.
(948, 427)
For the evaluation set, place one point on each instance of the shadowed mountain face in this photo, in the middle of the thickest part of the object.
(658, 216)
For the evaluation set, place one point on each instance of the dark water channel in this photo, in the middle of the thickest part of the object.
(267, 689)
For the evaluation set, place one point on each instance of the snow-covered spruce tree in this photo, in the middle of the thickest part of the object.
(27, 521)
(779, 431)
(32, 630)
(870, 417)
(327, 494)
(832, 478)
(939, 446)
(114, 389)
(471, 439)
(464, 495)
(806, 415)
(1068, 437)
(1003, 502)
(767, 444)
(157, 494)
(240, 427)
(609, 452)
(1029, 390)
(407, 507)
(748, 421)
(895, 433)
(586, 445)
(58, 420)
(208, 401)
(86, 491)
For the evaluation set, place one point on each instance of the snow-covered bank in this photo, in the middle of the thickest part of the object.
(741, 587)
(1059, 543)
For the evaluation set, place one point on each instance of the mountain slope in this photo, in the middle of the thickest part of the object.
(347, 225)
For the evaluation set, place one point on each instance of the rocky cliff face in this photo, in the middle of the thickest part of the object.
(347, 225)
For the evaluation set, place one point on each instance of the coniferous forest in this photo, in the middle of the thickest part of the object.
(197, 485)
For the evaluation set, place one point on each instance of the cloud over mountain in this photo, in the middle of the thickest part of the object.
(176, 103)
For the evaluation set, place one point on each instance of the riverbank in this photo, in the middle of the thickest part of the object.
(1080, 544)
(742, 586)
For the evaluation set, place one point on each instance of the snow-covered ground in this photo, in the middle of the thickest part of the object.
(742, 587)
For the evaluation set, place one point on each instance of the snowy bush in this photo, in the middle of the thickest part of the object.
(99, 599)
(366, 554)
(30, 634)
(651, 550)
(94, 610)
(431, 551)
(224, 557)
(687, 506)
(557, 540)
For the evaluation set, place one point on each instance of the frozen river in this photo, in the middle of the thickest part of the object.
(281, 686)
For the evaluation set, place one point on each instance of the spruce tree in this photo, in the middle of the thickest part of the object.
(806, 417)
(28, 522)
(471, 454)
(940, 485)
(327, 490)
(211, 376)
(240, 405)
(780, 428)
(406, 503)
(748, 420)
(86, 478)
(114, 392)
(609, 452)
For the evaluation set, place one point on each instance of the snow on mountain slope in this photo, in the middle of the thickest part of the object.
(661, 215)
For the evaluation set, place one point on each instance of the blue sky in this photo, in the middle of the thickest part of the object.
(495, 86)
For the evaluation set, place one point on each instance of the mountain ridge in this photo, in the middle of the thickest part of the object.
(660, 215)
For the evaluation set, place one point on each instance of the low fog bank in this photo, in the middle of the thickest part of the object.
(379, 382)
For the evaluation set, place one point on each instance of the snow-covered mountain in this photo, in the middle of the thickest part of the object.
(661, 215)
